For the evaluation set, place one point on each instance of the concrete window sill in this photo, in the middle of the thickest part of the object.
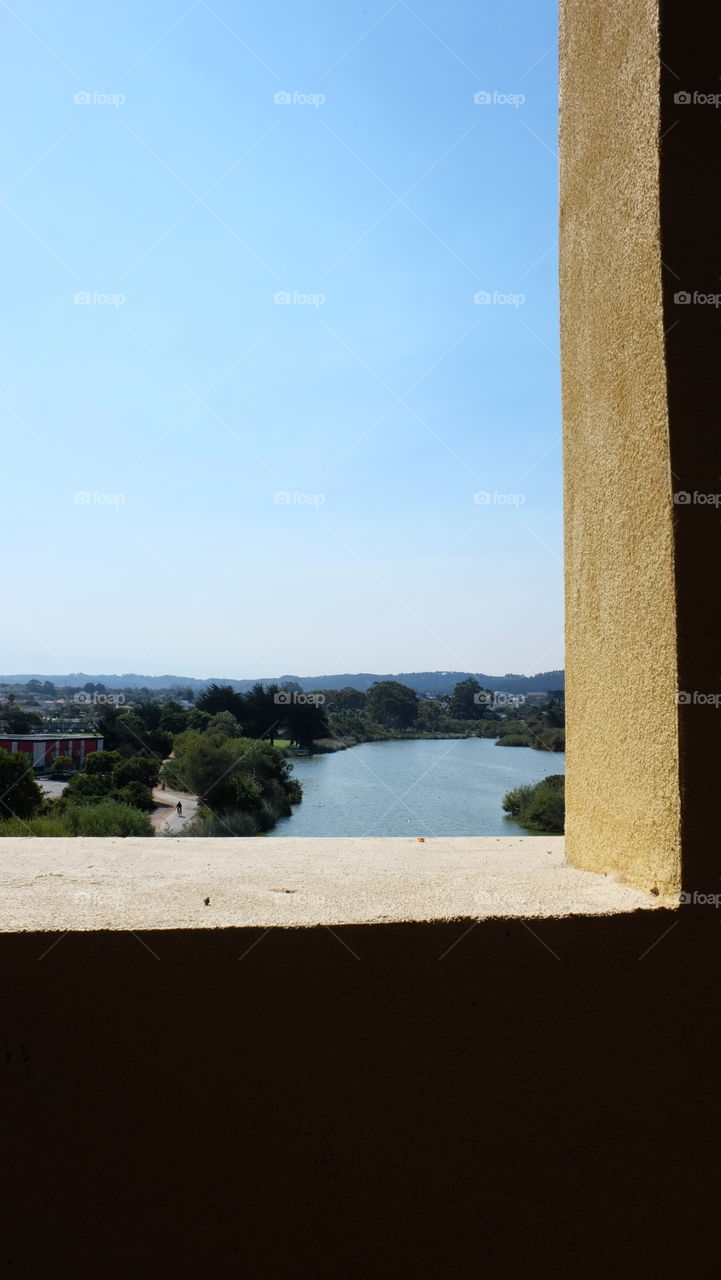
(129, 884)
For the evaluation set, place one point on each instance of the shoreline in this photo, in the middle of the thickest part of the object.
(328, 746)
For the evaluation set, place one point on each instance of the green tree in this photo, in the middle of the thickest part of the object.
(20, 795)
(305, 722)
(469, 700)
(344, 702)
(18, 721)
(224, 725)
(431, 715)
(199, 720)
(144, 769)
(233, 774)
(264, 710)
(392, 704)
(102, 762)
(220, 697)
(173, 719)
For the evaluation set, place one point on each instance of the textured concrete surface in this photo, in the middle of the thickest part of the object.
(622, 779)
(163, 884)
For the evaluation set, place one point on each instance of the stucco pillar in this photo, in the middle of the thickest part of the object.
(641, 353)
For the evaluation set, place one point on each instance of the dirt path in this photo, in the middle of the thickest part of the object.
(166, 815)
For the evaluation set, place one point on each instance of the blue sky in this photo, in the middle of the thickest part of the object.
(203, 479)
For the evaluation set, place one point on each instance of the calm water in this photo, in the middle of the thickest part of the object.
(441, 787)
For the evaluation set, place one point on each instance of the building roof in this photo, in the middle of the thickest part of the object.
(47, 737)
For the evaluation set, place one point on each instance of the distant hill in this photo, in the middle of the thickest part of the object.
(424, 682)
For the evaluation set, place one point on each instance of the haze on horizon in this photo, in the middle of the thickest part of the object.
(221, 472)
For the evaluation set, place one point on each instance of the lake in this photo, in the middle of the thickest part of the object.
(421, 787)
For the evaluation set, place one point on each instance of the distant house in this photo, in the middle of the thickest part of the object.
(42, 748)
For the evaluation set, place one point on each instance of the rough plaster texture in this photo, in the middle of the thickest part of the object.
(623, 761)
(88, 884)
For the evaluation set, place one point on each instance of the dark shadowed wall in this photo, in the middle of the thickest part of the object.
(528, 1103)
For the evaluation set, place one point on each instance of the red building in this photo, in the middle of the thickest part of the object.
(42, 748)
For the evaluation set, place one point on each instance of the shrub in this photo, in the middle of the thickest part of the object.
(108, 818)
(550, 740)
(231, 775)
(540, 807)
(136, 794)
(50, 826)
(61, 767)
(515, 800)
(86, 788)
(231, 822)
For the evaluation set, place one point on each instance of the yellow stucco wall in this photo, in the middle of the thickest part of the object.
(622, 781)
